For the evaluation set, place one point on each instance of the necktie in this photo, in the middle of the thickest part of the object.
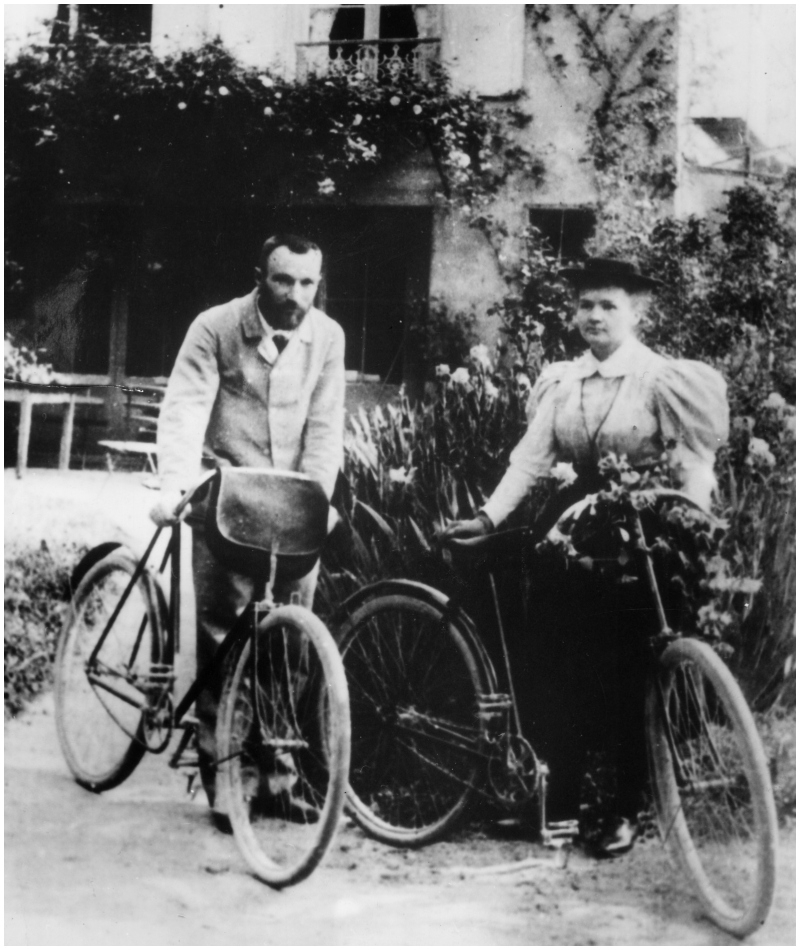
(280, 341)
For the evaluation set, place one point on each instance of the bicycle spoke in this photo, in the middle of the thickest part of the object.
(99, 685)
(414, 706)
(283, 760)
(713, 795)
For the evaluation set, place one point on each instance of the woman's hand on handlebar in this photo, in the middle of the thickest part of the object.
(468, 528)
(163, 512)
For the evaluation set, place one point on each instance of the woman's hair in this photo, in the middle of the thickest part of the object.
(641, 297)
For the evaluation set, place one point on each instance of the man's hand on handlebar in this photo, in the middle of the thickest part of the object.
(163, 512)
(469, 528)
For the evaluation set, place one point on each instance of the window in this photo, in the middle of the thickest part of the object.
(112, 22)
(376, 264)
(373, 22)
(376, 268)
(374, 40)
(565, 229)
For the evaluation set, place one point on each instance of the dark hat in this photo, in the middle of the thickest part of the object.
(607, 272)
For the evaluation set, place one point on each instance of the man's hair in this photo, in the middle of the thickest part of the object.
(294, 243)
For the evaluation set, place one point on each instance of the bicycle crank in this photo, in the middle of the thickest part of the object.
(513, 770)
(158, 717)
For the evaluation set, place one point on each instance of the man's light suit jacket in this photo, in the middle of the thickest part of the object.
(227, 403)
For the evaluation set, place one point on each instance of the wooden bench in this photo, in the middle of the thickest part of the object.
(143, 406)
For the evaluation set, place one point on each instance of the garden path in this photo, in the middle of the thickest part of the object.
(143, 865)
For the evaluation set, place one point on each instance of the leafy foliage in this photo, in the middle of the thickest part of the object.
(536, 313)
(36, 594)
(117, 120)
(411, 467)
(686, 544)
(778, 732)
(630, 128)
(728, 299)
(23, 365)
(436, 335)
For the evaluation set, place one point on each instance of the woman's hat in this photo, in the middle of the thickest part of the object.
(607, 272)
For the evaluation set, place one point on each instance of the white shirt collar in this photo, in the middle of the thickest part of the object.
(624, 361)
(270, 330)
(267, 346)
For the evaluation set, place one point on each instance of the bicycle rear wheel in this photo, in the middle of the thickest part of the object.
(712, 788)
(283, 740)
(100, 703)
(414, 689)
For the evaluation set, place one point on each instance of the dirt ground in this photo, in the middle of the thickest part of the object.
(143, 864)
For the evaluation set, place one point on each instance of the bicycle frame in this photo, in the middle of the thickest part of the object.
(499, 712)
(155, 692)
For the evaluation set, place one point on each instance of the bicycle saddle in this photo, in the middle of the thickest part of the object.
(255, 512)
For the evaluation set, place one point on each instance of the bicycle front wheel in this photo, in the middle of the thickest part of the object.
(711, 784)
(414, 690)
(101, 693)
(283, 740)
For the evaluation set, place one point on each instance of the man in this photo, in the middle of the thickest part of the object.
(259, 382)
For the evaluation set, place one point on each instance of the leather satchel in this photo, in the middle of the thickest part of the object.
(253, 513)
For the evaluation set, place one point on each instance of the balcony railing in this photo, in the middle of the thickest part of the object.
(373, 59)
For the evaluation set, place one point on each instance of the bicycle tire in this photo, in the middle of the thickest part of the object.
(712, 788)
(101, 735)
(283, 740)
(413, 680)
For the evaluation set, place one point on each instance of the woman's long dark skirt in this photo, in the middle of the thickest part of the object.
(578, 645)
(587, 662)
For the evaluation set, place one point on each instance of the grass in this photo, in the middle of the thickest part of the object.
(36, 594)
(778, 730)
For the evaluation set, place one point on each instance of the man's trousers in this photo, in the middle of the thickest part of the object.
(221, 595)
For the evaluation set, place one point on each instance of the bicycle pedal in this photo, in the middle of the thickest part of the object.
(191, 786)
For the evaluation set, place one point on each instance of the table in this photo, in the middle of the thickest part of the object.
(29, 395)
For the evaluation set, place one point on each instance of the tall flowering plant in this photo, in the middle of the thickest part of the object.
(411, 467)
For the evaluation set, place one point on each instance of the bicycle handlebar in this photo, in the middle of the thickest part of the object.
(663, 494)
(182, 505)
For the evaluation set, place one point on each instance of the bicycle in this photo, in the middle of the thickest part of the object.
(435, 726)
(283, 729)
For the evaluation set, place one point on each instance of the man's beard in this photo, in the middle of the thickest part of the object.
(280, 316)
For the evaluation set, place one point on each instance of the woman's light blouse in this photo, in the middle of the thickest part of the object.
(634, 403)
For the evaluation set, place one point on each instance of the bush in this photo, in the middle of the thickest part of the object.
(409, 467)
(117, 120)
(36, 597)
(779, 734)
(728, 299)
(23, 365)
(436, 335)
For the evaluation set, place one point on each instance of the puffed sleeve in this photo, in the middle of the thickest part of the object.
(692, 407)
(534, 455)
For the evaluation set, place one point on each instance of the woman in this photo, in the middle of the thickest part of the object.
(619, 397)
